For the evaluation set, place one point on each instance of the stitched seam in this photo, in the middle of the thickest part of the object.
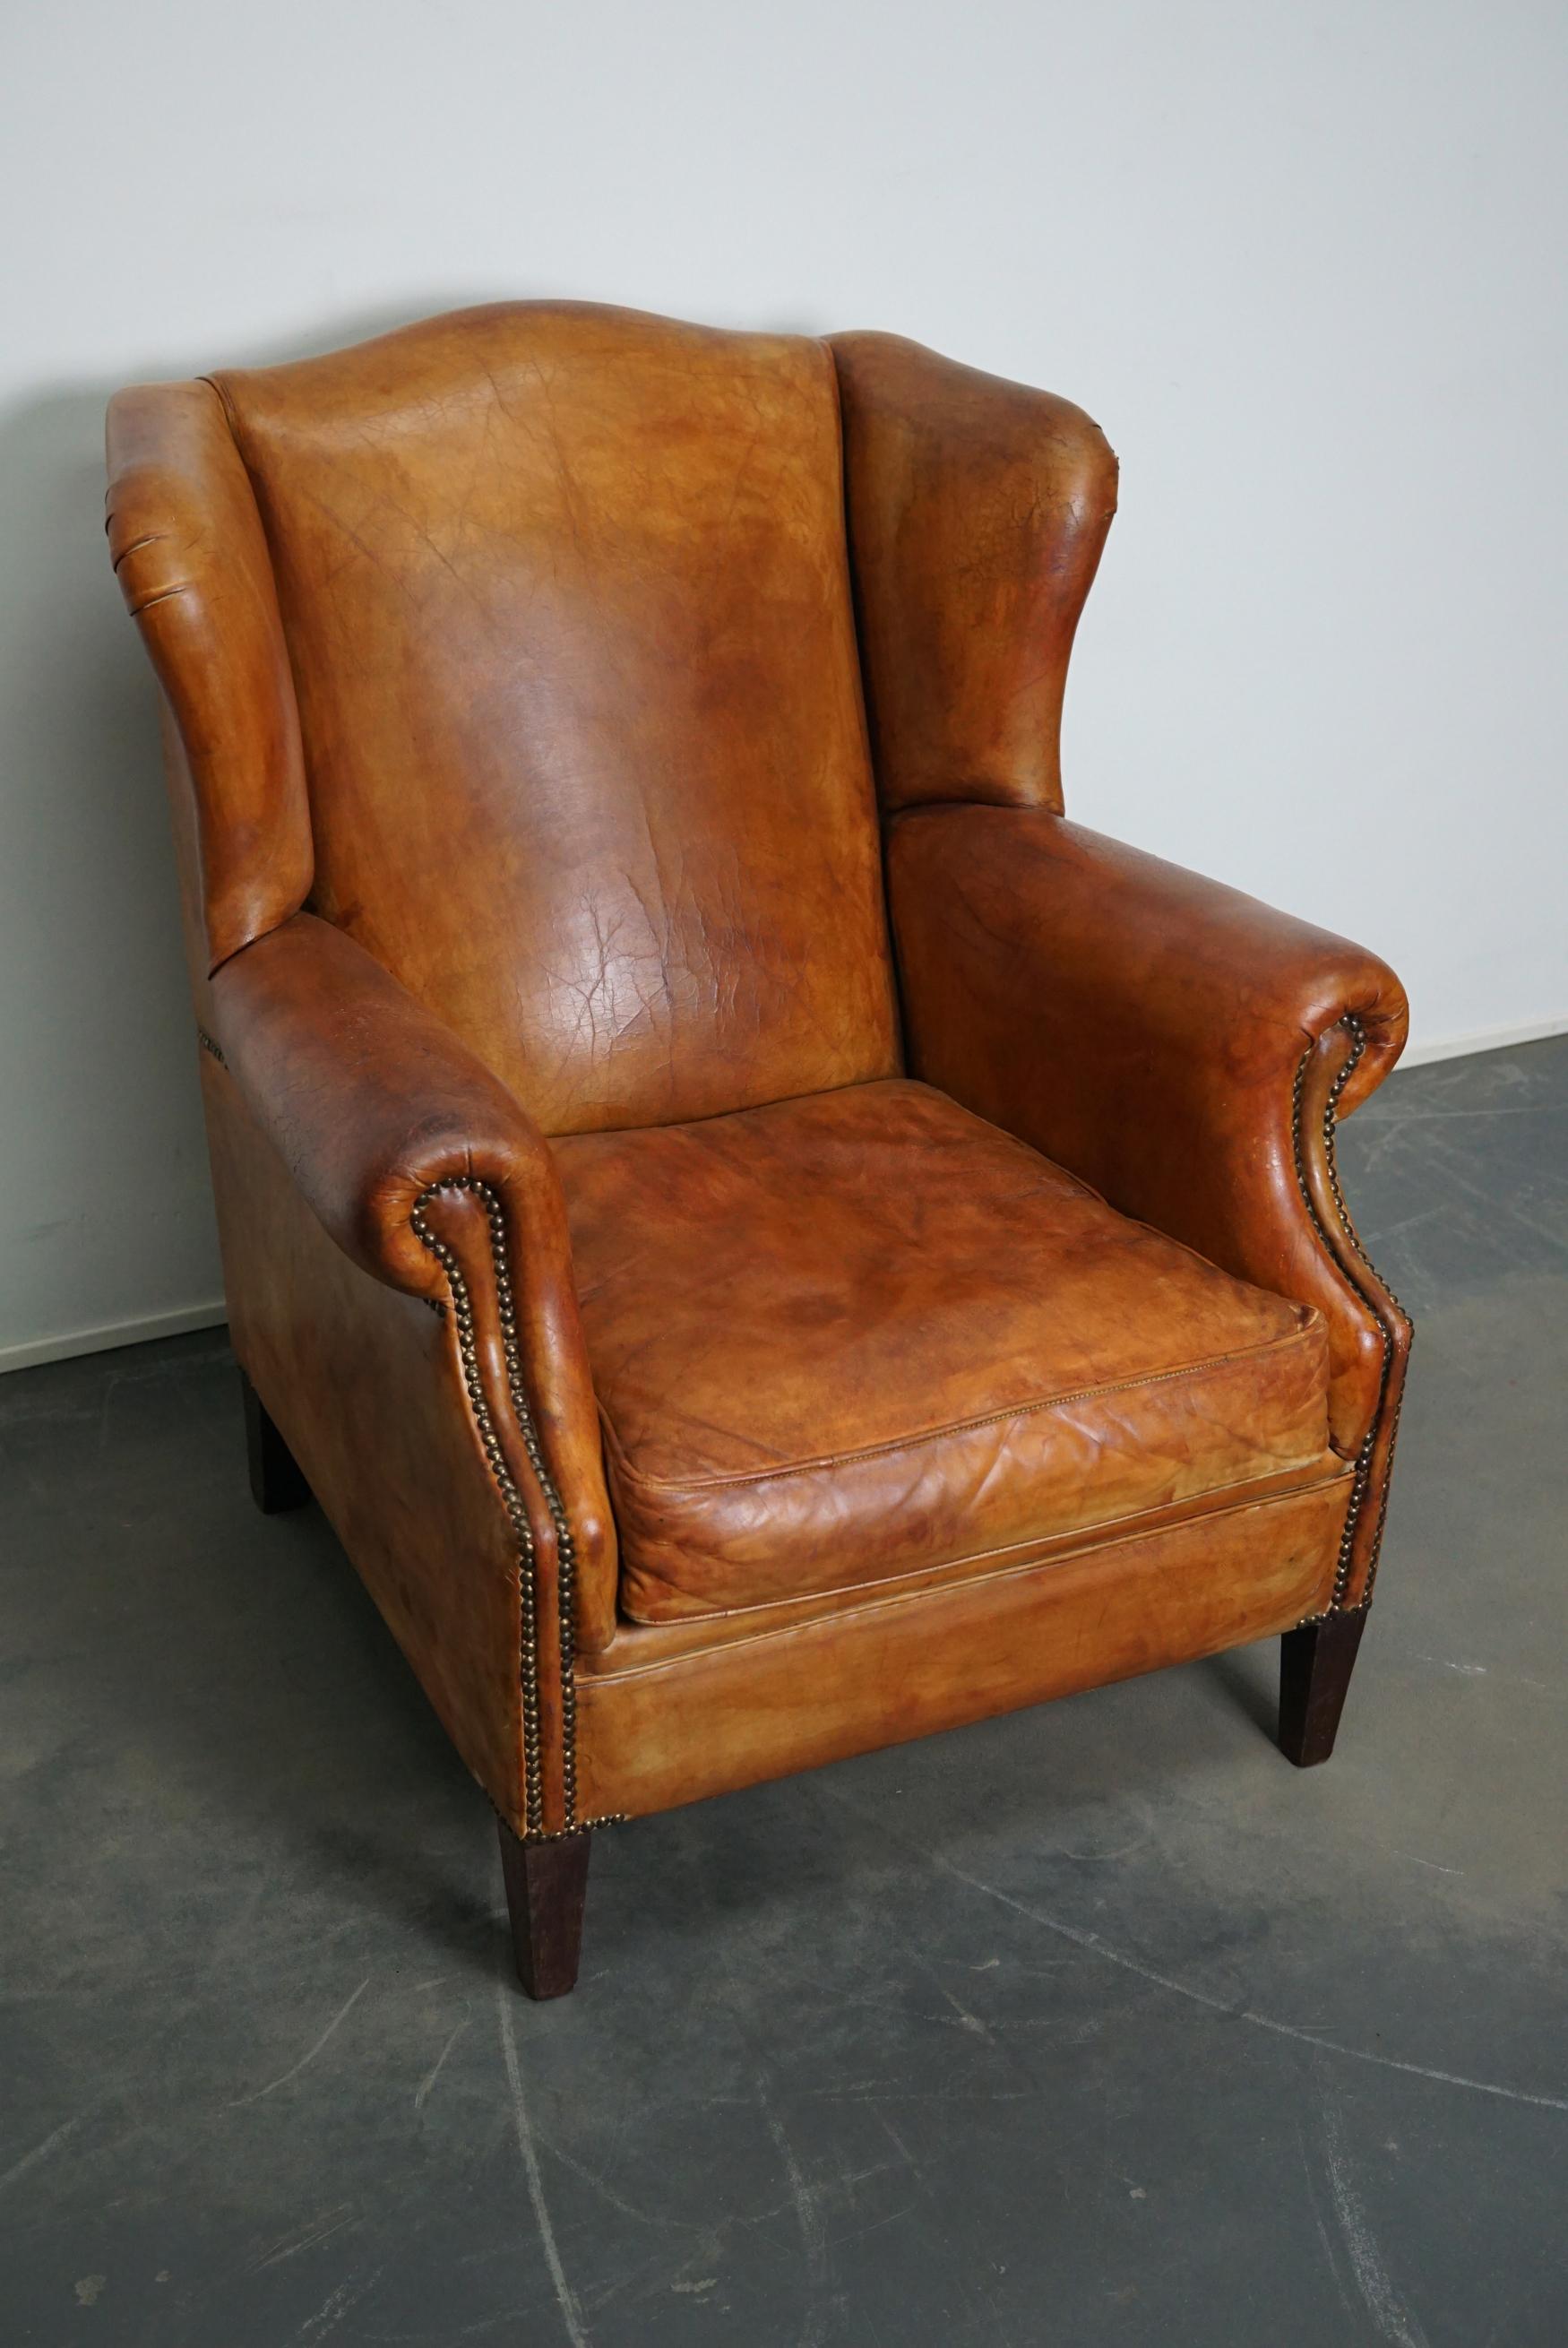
(897, 1023)
(512, 1500)
(955, 1427)
(1197, 1505)
(1363, 1475)
(164, 596)
(601, 1678)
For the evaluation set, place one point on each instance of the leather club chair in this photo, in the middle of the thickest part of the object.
(763, 1238)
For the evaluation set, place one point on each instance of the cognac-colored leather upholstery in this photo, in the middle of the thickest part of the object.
(886, 1253)
(1050, 977)
(840, 1340)
(383, 1118)
(566, 601)
(978, 510)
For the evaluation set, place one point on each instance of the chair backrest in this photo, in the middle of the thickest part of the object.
(565, 599)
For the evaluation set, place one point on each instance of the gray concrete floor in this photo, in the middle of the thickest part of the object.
(1099, 2023)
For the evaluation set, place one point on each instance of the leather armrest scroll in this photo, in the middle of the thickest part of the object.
(432, 1177)
(1179, 1045)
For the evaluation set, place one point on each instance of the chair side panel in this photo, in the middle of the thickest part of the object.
(364, 1385)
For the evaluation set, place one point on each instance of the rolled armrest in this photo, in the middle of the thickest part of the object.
(429, 1174)
(373, 1103)
(1027, 934)
(1179, 1045)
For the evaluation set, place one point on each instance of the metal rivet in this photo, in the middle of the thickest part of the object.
(517, 1514)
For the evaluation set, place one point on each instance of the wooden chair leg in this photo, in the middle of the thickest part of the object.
(546, 1883)
(1315, 1665)
(276, 1483)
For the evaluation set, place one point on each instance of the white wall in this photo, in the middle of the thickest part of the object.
(1300, 257)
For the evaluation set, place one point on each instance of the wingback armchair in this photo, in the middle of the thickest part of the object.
(763, 1239)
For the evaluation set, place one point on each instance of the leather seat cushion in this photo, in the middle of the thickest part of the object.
(841, 1339)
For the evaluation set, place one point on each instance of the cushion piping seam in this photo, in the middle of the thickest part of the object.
(1214, 1501)
(955, 1427)
(593, 1680)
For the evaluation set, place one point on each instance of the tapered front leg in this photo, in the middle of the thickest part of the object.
(276, 1481)
(1315, 1665)
(546, 1883)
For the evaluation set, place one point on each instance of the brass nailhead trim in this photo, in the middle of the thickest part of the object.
(1364, 1457)
(512, 1499)
(517, 1512)
(1331, 1614)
